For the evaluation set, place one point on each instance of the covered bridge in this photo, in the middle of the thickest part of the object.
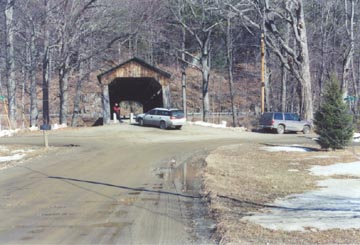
(134, 80)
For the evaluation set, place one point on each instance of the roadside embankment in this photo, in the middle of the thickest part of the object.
(248, 180)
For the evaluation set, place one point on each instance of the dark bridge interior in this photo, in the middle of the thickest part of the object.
(145, 90)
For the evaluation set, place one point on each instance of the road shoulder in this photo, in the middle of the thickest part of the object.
(242, 179)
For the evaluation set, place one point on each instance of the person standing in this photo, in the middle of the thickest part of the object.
(116, 109)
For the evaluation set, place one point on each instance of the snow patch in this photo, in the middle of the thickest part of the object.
(213, 125)
(58, 126)
(3, 148)
(293, 148)
(22, 151)
(356, 137)
(322, 157)
(33, 128)
(293, 170)
(351, 169)
(335, 205)
(8, 132)
(11, 158)
(12, 132)
(206, 124)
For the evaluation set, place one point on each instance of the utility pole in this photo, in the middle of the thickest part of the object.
(262, 73)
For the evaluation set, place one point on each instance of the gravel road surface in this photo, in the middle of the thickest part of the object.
(102, 185)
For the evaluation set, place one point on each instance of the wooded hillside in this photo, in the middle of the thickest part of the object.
(52, 50)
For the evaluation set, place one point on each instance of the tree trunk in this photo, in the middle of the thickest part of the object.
(105, 99)
(307, 93)
(350, 52)
(76, 110)
(305, 76)
(283, 87)
(10, 62)
(355, 86)
(33, 94)
(229, 47)
(22, 92)
(205, 85)
(322, 65)
(284, 73)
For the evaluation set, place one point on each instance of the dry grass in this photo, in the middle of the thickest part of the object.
(242, 178)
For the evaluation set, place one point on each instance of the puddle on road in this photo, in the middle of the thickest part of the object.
(134, 193)
(71, 145)
(145, 199)
(55, 214)
(186, 178)
(112, 225)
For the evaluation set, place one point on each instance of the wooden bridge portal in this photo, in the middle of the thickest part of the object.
(134, 80)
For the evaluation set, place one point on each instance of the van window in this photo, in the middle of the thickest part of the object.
(267, 116)
(296, 117)
(289, 117)
(278, 116)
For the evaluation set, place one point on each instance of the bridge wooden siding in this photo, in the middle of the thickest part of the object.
(133, 68)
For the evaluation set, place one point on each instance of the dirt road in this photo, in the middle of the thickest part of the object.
(105, 185)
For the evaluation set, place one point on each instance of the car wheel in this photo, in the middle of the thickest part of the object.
(163, 125)
(141, 122)
(280, 129)
(306, 129)
(178, 127)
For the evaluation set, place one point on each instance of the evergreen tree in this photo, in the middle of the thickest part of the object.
(333, 121)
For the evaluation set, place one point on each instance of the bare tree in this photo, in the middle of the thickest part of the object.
(10, 61)
(70, 29)
(294, 59)
(30, 23)
(297, 60)
(199, 19)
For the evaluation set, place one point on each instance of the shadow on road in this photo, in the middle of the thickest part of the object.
(123, 187)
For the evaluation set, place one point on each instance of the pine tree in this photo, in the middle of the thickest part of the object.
(333, 122)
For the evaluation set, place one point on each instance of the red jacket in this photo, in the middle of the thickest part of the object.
(116, 109)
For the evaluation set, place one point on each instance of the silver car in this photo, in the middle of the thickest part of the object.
(282, 122)
(163, 118)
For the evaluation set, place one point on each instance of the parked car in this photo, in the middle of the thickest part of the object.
(163, 118)
(281, 122)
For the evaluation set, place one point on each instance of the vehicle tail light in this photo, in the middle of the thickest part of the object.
(272, 122)
(172, 117)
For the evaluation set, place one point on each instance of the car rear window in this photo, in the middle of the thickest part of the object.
(177, 114)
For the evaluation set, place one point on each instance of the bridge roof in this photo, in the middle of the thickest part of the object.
(138, 61)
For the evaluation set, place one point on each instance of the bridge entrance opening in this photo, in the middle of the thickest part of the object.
(146, 91)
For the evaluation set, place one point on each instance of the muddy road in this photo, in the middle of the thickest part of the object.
(113, 184)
